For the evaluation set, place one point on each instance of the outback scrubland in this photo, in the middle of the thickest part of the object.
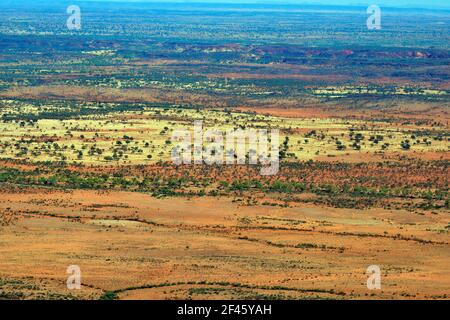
(86, 177)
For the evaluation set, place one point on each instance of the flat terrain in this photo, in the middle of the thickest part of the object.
(86, 176)
(120, 134)
(146, 248)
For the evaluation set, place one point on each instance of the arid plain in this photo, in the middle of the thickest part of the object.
(86, 177)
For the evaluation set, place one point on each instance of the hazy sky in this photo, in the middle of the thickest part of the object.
(429, 4)
(385, 3)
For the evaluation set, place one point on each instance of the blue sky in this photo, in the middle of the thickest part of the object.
(428, 4)
(385, 3)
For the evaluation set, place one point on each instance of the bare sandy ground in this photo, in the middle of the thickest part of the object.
(142, 247)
